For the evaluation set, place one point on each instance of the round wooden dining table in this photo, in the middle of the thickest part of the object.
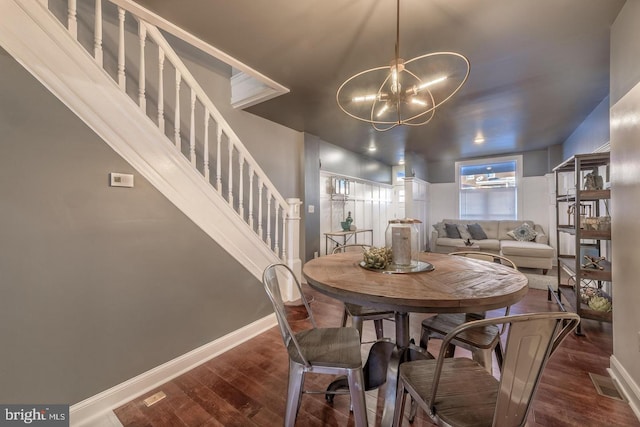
(455, 284)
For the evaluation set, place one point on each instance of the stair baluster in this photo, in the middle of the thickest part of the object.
(121, 66)
(142, 35)
(148, 33)
(97, 34)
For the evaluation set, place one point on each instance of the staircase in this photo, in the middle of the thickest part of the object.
(157, 117)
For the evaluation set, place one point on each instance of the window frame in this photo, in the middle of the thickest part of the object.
(488, 160)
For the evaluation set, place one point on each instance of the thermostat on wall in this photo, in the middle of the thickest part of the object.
(121, 179)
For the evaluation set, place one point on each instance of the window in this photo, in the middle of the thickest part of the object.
(488, 188)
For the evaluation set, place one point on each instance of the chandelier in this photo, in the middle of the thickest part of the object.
(403, 92)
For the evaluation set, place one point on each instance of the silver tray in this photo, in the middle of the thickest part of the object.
(394, 269)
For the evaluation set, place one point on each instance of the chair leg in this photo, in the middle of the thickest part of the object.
(451, 350)
(401, 396)
(345, 315)
(379, 328)
(294, 393)
(499, 355)
(424, 339)
(356, 322)
(483, 357)
(413, 409)
(356, 390)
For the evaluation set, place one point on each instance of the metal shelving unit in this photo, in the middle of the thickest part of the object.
(579, 204)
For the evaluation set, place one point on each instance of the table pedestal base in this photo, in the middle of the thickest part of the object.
(382, 367)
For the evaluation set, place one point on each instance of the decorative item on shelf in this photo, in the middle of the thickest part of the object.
(468, 242)
(604, 223)
(600, 304)
(593, 181)
(346, 224)
(402, 237)
(377, 258)
(585, 211)
(593, 262)
(404, 92)
(588, 291)
(597, 223)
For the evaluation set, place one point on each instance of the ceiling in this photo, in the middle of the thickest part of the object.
(538, 67)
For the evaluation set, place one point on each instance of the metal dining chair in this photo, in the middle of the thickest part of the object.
(359, 313)
(481, 342)
(459, 392)
(332, 351)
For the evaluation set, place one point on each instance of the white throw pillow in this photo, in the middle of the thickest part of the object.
(464, 233)
(523, 233)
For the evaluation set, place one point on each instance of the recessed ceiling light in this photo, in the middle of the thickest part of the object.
(372, 148)
(401, 162)
(479, 139)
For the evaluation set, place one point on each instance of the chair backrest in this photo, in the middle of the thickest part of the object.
(350, 247)
(271, 277)
(486, 256)
(531, 340)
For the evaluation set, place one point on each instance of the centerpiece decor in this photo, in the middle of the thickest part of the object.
(402, 237)
(400, 253)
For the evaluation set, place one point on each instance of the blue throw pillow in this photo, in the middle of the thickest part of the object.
(476, 231)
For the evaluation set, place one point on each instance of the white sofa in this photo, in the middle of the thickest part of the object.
(530, 254)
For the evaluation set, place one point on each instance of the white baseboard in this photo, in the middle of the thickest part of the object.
(626, 384)
(89, 411)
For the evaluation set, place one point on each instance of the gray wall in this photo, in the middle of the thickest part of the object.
(415, 166)
(98, 284)
(591, 134)
(311, 195)
(535, 163)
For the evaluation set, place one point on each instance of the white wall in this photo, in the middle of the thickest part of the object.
(370, 205)
(534, 193)
(625, 231)
(625, 199)
(417, 207)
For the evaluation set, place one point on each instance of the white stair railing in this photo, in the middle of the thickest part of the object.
(264, 202)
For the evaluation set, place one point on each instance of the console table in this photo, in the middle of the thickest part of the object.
(341, 238)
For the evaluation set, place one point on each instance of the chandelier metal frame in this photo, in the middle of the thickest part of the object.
(403, 97)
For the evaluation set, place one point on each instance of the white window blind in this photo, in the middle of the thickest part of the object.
(488, 203)
(488, 188)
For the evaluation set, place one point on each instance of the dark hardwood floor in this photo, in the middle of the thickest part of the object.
(246, 386)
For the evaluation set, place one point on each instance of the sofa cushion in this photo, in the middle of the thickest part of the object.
(476, 231)
(507, 225)
(525, 249)
(540, 237)
(452, 231)
(464, 233)
(490, 245)
(523, 233)
(449, 245)
(439, 227)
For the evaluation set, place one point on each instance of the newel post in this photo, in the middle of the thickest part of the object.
(293, 245)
